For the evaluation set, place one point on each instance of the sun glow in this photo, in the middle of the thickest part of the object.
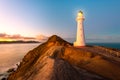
(9, 40)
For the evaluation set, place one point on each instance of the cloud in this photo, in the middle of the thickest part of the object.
(29, 38)
(41, 37)
(4, 36)
(17, 36)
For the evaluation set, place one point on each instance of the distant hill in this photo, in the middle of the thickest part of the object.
(20, 41)
(58, 59)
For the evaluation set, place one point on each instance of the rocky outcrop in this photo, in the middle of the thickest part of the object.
(57, 59)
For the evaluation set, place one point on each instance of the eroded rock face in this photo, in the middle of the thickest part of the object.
(58, 60)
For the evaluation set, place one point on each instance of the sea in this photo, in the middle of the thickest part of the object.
(12, 54)
(109, 45)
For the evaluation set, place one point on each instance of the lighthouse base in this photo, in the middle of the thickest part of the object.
(79, 45)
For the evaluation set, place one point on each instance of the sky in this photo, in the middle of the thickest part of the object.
(31, 18)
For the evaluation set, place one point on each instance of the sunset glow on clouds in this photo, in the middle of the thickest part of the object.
(6, 37)
(15, 37)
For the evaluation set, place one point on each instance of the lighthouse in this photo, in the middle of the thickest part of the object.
(80, 37)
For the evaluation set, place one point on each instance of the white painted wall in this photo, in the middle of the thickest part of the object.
(80, 37)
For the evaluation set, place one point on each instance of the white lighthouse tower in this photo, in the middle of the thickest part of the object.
(80, 37)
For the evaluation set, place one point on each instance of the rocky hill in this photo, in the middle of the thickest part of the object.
(57, 59)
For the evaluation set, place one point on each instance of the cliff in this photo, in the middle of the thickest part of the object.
(57, 59)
